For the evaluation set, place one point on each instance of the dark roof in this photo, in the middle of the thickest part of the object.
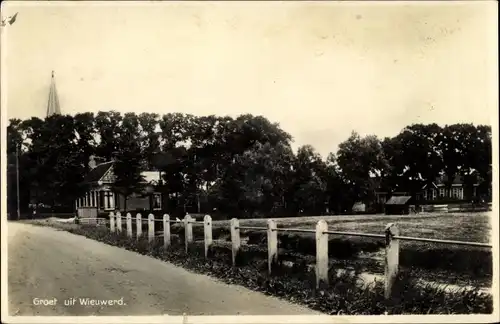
(98, 172)
(444, 178)
(398, 200)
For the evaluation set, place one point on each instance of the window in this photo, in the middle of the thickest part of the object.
(461, 193)
(454, 192)
(101, 200)
(109, 200)
(434, 193)
(441, 192)
(425, 194)
(156, 201)
(93, 198)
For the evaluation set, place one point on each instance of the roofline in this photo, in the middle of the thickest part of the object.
(103, 163)
(105, 173)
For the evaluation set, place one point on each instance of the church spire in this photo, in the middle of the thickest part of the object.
(53, 104)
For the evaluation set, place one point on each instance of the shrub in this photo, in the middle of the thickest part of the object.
(476, 262)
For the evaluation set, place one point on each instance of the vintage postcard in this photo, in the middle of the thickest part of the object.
(249, 162)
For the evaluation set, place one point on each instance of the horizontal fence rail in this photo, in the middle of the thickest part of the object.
(356, 234)
(297, 230)
(252, 228)
(391, 236)
(420, 239)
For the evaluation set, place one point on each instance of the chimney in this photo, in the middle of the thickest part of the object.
(92, 163)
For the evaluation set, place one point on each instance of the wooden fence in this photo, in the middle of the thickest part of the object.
(391, 237)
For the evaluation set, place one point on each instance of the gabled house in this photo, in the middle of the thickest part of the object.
(438, 189)
(102, 195)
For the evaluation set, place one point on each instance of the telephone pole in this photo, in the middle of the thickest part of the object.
(17, 181)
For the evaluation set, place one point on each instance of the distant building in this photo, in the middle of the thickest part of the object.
(438, 190)
(433, 193)
(359, 207)
(102, 196)
(53, 107)
(399, 205)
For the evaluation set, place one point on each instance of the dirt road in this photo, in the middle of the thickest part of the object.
(56, 268)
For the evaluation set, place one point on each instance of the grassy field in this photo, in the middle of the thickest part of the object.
(431, 261)
(475, 227)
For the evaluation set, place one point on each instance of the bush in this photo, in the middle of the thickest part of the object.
(345, 294)
(476, 262)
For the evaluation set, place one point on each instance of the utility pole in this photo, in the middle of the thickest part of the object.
(17, 180)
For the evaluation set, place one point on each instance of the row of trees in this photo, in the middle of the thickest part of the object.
(242, 166)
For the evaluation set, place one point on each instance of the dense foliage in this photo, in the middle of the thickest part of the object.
(242, 167)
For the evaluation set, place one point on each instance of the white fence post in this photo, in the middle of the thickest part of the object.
(321, 253)
(119, 222)
(151, 227)
(188, 231)
(129, 225)
(207, 230)
(235, 238)
(391, 257)
(112, 222)
(138, 224)
(166, 230)
(272, 245)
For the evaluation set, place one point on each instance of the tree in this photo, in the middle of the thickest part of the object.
(85, 132)
(149, 137)
(309, 186)
(128, 159)
(420, 161)
(483, 161)
(363, 163)
(454, 143)
(108, 126)
(340, 196)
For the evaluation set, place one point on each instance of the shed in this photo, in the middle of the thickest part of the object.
(398, 205)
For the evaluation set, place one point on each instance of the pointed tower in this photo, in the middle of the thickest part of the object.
(53, 104)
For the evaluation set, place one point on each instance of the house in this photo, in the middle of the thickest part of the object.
(399, 205)
(438, 190)
(434, 192)
(105, 199)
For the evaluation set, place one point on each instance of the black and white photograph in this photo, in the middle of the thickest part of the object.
(249, 161)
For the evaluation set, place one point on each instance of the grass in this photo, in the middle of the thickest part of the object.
(345, 295)
(453, 226)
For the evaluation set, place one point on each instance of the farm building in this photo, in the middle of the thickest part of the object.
(105, 199)
(398, 205)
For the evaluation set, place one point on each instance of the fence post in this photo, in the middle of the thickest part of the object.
(112, 222)
(272, 245)
(188, 231)
(391, 257)
(129, 225)
(138, 224)
(151, 227)
(166, 231)
(321, 254)
(119, 222)
(235, 238)
(207, 230)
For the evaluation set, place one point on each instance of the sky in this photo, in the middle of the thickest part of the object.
(320, 70)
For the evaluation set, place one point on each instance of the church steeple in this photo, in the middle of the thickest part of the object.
(53, 104)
